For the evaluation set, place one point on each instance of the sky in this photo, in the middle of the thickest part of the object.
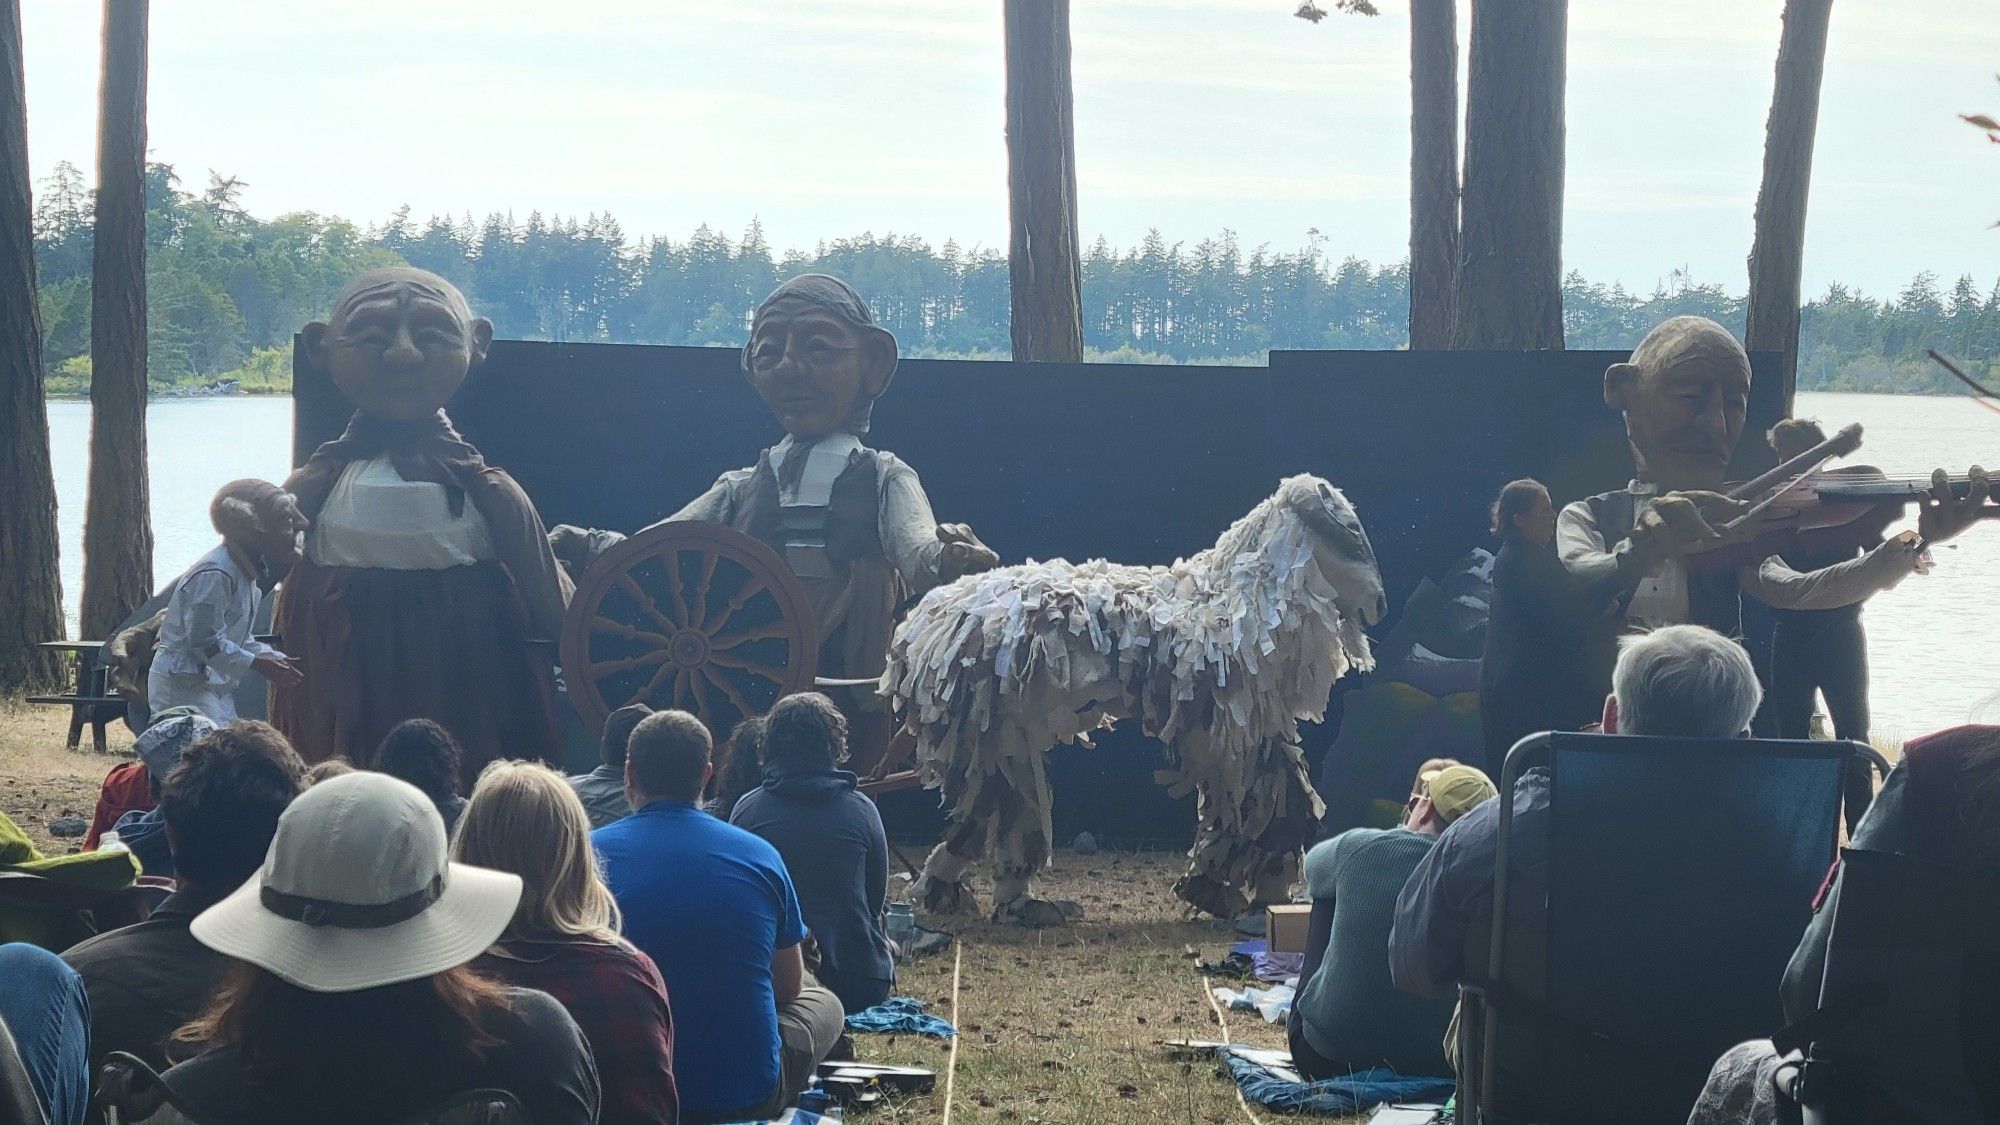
(826, 118)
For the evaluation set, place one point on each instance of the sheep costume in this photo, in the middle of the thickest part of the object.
(1218, 656)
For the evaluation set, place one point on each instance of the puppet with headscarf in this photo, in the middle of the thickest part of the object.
(206, 644)
(852, 522)
(427, 572)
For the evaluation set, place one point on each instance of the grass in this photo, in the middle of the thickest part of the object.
(1059, 1025)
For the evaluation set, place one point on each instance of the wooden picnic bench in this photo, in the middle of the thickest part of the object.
(89, 699)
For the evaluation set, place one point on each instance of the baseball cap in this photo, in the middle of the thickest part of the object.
(1457, 790)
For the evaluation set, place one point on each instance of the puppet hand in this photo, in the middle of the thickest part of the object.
(279, 669)
(1679, 520)
(1945, 515)
(963, 553)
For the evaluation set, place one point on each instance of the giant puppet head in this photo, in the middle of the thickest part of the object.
(398, 342)
(1684, 394)
(817, 358)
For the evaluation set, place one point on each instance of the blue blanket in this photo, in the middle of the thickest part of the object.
(1361, 1090)
(901, 1014)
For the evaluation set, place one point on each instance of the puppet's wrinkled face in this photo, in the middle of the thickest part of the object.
(1684, 417)
(811, 366)
(400, 348)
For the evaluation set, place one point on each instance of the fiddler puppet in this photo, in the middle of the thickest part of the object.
(207, 644)
(852, 522)
(1218, 656)
(427, 572)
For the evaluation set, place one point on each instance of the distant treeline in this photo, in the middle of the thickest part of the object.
(227, 290)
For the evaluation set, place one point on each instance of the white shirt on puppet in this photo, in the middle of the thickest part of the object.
(206, 643)
(375, 519)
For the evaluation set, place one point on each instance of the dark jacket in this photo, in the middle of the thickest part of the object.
(1537, 673)
(147, 979)
(831, 839)
(542, 1060)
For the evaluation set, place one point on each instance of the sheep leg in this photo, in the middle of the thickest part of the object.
(1243, 862)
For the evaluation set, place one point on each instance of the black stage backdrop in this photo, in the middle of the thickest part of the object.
(1139, 464)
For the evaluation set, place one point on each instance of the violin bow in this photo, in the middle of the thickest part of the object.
(1790, 474)
(1978, 388)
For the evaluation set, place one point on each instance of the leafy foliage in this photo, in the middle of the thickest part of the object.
(227, 290)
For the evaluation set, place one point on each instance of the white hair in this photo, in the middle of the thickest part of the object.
(1684, 681)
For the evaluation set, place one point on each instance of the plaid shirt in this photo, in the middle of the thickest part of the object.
(616, 996)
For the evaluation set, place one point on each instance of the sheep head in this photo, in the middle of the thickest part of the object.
(1345, 555)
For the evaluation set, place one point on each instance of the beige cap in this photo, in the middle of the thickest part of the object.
(1457, 790)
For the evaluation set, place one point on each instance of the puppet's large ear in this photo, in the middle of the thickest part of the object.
(482, 339)
(313, 337)
(1619, 379)
(881, 349)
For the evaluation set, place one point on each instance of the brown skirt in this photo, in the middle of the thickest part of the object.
(382, 646)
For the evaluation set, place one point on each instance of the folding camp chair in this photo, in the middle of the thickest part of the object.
(19, 1104)
(1681, 873)
(1908, 1027)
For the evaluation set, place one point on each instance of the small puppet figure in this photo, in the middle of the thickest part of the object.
(206, 642)
(852, 522)
(427, 571)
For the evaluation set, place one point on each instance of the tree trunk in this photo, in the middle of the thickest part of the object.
(1433, 170)
(1044, 263)
(31, 607)
(117, 526)
(1510, 243)
(1777, 251)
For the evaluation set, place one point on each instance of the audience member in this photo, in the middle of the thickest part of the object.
(1938, 806)
(160, 750)
(1349, 1016)
(714, 908)
(44, 1010)
(327, 770)
(1679, 681)
(564, 940)
(221, 807)
(831, 839)
(353, 1001)
(742, 767)
(602, 790)
(128, 787)
(425, 754)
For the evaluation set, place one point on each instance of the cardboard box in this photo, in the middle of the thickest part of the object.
(1285, 927)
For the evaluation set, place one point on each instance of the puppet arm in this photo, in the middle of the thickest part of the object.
(718, 504)
(908, 529)
(1580, 543)
(1842, 584)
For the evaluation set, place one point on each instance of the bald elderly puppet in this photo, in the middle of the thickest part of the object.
(1684, 394)
(853, 522)
(427, 571)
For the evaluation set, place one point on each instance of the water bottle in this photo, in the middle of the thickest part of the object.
(109, 842)
(902, 925)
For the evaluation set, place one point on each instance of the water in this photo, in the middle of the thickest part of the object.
(1934, 642)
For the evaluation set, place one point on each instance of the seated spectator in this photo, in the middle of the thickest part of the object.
(425, 754)
(353, 1000)
(68, 909)
(1349, 1016)
(128, 787)
(47, 1015)
(1681, 681)
(831, 839)
(1938, 806)
(741, 769)
(330, 768)
(221, 808)
(159, 749)
(602, 790)
(564, 937)
(714, 908)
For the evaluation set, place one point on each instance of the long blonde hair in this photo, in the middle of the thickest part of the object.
(524, 818)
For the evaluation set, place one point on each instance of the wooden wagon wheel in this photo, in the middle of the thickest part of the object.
(688, 615)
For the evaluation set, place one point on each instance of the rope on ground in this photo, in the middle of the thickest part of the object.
(1222, 1024)
(951, 1058)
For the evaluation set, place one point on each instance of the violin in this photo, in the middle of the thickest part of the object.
(1798, 507)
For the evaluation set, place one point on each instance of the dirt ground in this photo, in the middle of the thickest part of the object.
(1060, 1025)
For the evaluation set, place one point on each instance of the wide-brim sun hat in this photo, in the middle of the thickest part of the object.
(356, 892)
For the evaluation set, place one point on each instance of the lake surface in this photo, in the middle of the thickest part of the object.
(1934, 642)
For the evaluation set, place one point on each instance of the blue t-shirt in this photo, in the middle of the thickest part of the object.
(710, 904)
